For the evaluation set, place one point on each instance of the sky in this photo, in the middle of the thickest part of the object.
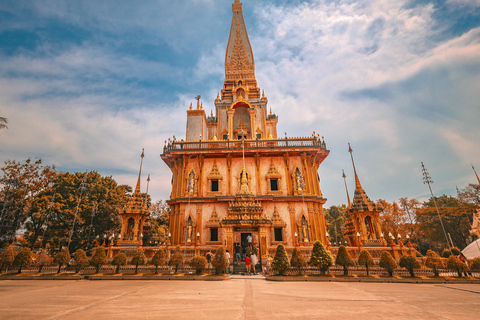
(87, 84)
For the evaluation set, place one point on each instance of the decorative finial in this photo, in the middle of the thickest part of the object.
(198, 101)
(191, 106)
(201, 106)
(345, 181)
(358, 186)
(476, 174)
(270, 111)
(211, 113)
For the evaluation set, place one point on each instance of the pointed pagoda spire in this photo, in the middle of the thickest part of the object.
(358, 186)
(345, 181)
(137, 188)
(239, 62)
(476, 174)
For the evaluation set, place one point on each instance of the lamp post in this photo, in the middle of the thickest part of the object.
(166, 253)
(358, 240)
(296, 240)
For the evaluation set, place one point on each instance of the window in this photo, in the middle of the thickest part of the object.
(278, 234)
(213, 234)
(225, 136)
(214, 185)
(259, 136)
(274, 184)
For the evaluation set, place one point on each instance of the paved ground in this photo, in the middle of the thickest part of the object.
(240, 298)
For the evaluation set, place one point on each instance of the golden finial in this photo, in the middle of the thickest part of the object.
(211, 113)
(270, 111)
(190, 106)
(201, 106)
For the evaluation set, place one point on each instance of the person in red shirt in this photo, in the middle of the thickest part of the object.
(248, 262)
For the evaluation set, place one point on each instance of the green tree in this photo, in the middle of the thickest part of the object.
(23, 259)
(158, 259)
(388, 263)
(453, 263)
(336, 216)
(321, 257)
(366, 259)
(220, 261)
(455, 251)
(177, 259)
(3, 123)
(434, 262)
(475, 264)
(159, 219)
(119, 260)
(446, 253)
(343, 259)
(61, 258)
(298, 261)
(139, 259)
(99, 258)
(81, 260)
(43, 259)
(199, 264)
(410, 263)
(7, 257)
(280, 262)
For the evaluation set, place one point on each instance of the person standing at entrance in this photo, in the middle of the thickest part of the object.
(248, 262)
(249, 240)
(238, 253)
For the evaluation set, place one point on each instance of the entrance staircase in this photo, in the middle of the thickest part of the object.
(242, 268)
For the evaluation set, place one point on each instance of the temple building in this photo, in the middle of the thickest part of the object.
(233, 176)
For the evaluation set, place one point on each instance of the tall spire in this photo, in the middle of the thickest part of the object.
(476, 174)
(344, 180)
(358, 186)
(239, 62)
(137, 188)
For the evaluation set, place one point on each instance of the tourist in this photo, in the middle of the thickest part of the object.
(248, 262)
(208, 255)
(228, 262)
(238, 253)
(254, 261)
(249, 240)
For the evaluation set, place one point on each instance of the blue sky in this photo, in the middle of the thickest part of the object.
(87, 84)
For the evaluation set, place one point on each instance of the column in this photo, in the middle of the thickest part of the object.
(251, 113)
(230, 113)
(198, 228)
(293, 222)
(263, 244)
(229, 234)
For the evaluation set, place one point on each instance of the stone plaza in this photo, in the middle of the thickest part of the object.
(239, 298)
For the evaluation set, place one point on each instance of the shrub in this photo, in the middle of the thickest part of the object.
(81, 260)
(446, 253)
(7, 257)
(177, 259)
(23, 258)
(99, 259)
(298, 261)
(158, 259)
(43, 260)
(343, 259)
(387, 262)
(280, 262)
(61, 258)
(455, 251)
(199, 264)
(366, 259)
(454, 263)
(139, 259)
(475, 264)
(220, 261)
(119, 260)
(321, 257)
(434, 262)
(410, 263)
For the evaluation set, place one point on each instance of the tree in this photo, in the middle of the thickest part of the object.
(365, 259)
(61, 258)
(298, 261)
(455, 251)
(158, 259)
(7, 257)
(159, 219)
(387, 262)
(434, 262)
(336, 216)
(453, 263)
(343, 259)
(23, 258)
(81, 260)
(220, 261)
(446, 253)
(199, 264)
(410, 263)
(475, 264)
(99, 258)
(177, 259)
(139, 259)
(280, 262)
(393, 218)
(119, 260)
(3, 123)
(43, 259)
(321, 257)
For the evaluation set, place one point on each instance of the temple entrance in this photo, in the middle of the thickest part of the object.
(244, 242)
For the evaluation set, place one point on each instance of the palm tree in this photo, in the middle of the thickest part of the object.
(3, 123)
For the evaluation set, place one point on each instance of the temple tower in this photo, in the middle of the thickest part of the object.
(233, 176)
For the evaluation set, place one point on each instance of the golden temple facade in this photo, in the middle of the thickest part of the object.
(233, 177)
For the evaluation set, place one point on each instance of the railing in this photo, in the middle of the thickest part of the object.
(312, 142)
